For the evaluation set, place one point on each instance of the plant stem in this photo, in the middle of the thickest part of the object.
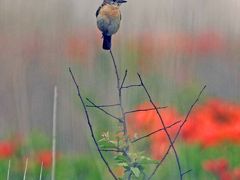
(41, 171)
(119, 88)
(54, 133)
(25, 170)
(9, 167)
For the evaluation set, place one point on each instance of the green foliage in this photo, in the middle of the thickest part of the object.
(77, 168)
(106, 143)
(132, 163)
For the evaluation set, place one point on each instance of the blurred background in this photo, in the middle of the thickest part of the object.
(177, 46)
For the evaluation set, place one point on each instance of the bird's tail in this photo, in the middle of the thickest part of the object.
(107, 42)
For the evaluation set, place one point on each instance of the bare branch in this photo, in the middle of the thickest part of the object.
(190, 110)
(178, 132)
(116, 70)
(154, 132)
(186, 172)
(124, 78)
(90, 126)
(109, 114)
(103, 106)
(120, 95)
(133, 85)
(111, 150)
(140, 110)
(164, 126)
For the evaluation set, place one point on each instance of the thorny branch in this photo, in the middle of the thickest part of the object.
(176, 136)
(90, 126)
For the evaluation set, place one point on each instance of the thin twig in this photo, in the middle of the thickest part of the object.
(109, 114)
(178, 132)
(124, 78)
(133, 85)
(9, 167)
(190, 110)
(103, 106)
(41, 171)
(135, 140)
(164, 126)
(186, 172)
(116, 70)
(90, 126)
(25, 170)
(54, 133)
(149, 109)
(111, 150)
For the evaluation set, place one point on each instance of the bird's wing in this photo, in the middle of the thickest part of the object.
(97, 12)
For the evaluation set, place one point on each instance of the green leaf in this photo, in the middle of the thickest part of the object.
(106, 144)
(146, 160)
(121, 158)
(123, 164)
(135, 171)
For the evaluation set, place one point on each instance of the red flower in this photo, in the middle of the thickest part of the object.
(219, 167)
(216, 166)
(7, 149)
(214, 122)
(225, 175)
(143, 121)
(45, 158)
(77, 47)
(236, 173)
(148, 121)
(209, 42)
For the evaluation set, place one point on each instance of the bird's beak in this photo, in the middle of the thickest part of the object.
(121, 1)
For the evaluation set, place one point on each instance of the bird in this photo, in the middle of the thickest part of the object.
(108, 20)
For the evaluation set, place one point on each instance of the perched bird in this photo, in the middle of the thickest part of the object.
(108, 20)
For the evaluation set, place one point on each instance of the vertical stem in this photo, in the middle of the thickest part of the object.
(9, 167)
(41, 171)
(120, 96)
(54, 133)
(25, 170)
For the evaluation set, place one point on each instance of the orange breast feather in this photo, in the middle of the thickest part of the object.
(110, 11)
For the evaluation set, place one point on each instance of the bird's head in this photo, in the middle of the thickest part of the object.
(115, 2)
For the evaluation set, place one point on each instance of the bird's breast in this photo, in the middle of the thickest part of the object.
(108, 19)
(110, 11)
